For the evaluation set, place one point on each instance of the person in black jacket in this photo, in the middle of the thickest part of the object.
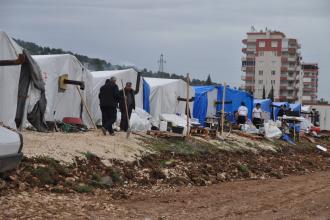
(109, 97)
(130, 100)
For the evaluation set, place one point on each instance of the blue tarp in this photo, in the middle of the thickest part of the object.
(265, 104)
(146, 95)
(236, 97)
(277, 106)
(201, 102)
(296, 107)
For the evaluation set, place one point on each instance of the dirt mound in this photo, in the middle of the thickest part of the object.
(164, 168)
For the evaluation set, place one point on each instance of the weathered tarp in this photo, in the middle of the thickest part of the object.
(233, 98)
(204, 105)
(21, 90)
(146, 95)
(296, 107)
(67, 103)
(164, 94)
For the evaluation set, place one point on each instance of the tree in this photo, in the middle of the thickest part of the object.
(208, 80)
(271, 94)
(264, 93)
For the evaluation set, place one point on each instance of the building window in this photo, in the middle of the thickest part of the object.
(261, 72)
(274, 53)
(261, 53)
(262, 43)
(274, 43)
(273, 72)
(260, 82)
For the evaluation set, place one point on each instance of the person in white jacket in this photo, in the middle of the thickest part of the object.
(242, 113)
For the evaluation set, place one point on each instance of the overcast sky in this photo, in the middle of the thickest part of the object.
(197, 36)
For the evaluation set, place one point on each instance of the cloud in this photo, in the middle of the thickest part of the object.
(199, 37)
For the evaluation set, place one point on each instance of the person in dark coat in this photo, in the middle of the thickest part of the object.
(130, 100)
(282, 111)
(109, 97)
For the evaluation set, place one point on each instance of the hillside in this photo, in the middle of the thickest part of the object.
(96, 64)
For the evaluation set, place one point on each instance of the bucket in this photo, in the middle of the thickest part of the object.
(163, 126)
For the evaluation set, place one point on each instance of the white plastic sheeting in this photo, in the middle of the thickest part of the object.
(9, 79)
(164, 94)
(212, 97)
(10, 142)
(68, 103)
(324, 111)
(99, 78)
(9, 82)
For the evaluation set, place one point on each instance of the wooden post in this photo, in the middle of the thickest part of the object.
(223, 106)
(187, 105)
(84, 103)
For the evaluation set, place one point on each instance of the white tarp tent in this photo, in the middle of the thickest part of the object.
(324, 111)
(99, 77)
(9, 79)
(21, 87)
(164, 95)
(67, 103)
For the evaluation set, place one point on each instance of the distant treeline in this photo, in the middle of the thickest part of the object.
(96, 64)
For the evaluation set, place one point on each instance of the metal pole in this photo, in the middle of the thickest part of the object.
(187, 105)
(84, 103)
(223, 106)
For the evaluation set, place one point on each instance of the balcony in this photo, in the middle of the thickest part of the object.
(292, 50)
(284, 69)
(250, 69)
(283, 78)
(284, 59)
(244, 41)
(243, 68)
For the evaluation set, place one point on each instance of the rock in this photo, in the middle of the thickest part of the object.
(221, 176)
(106, 181)
(2, 184)
(70, 179)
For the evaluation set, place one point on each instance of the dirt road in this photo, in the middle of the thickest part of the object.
(296, 197)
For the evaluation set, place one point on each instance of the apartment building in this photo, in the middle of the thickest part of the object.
(272, 64)
(310, 72)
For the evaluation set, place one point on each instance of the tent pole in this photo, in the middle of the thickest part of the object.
(187, 105)
(84, 103)
(223, 106)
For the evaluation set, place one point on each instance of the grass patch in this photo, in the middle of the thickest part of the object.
(243, 168)
(89, 155)
(46, 175)
(177, 146)
(83, 188)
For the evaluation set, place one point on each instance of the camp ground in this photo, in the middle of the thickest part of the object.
(68, 99)
(205, 102)
(167, 97)
(127, 75)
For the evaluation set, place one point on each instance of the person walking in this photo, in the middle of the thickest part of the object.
(109, 97)
(257, 116)
(130, 101)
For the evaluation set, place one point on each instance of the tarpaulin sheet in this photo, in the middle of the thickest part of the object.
(235, 97)
(205, 96)
(21, 88)
(67, 103)
(164, 94)
(146, 95)
(295, 107)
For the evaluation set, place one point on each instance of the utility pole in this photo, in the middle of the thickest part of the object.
(161, 62)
